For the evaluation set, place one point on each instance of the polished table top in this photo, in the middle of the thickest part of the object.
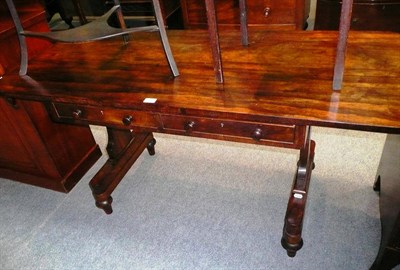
(282, 77)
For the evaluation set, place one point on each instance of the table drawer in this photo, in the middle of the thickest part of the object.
(232, 130)
(93, 115)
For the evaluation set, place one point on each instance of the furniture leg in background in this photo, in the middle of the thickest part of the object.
(55, 6)
(80, 12)
(214, 40)
(214, 35)
(344, 27)
(388, 185)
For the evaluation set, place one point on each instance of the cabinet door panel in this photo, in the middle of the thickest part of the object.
(12, 145)
(22, 148)
(33, 149)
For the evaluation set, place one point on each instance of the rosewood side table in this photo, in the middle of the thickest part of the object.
(275, 104)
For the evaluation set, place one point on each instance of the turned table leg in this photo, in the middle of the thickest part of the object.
(291, 239)
(123, 148)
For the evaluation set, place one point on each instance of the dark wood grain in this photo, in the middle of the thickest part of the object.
(281, 77)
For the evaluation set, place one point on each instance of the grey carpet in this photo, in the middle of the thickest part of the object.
(203, 204)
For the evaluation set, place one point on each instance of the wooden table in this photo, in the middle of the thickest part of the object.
(274, 91)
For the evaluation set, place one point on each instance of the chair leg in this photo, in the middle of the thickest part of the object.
(243, 22)
(79, 11)
(164, 38)
(345, 17)
(119, 15)
(23, 68)
(214, 40)
(121, 20)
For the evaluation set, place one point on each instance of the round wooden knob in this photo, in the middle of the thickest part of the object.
(267, 11)
(190, 125)
(257, 134)
(77, 114)
(127, 120)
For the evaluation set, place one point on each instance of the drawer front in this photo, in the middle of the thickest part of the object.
(260, 12)
(271, 12)
(232, 130)
(93, 115)
(290, 136)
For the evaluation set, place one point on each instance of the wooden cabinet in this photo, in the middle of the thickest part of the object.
(270, 14)
(36, 151)
(383, 15)
(33, 149)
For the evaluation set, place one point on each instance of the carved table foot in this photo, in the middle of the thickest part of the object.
(377, 184)
(291, 239)
(150, 147)
(123, 148)
(105, 205)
